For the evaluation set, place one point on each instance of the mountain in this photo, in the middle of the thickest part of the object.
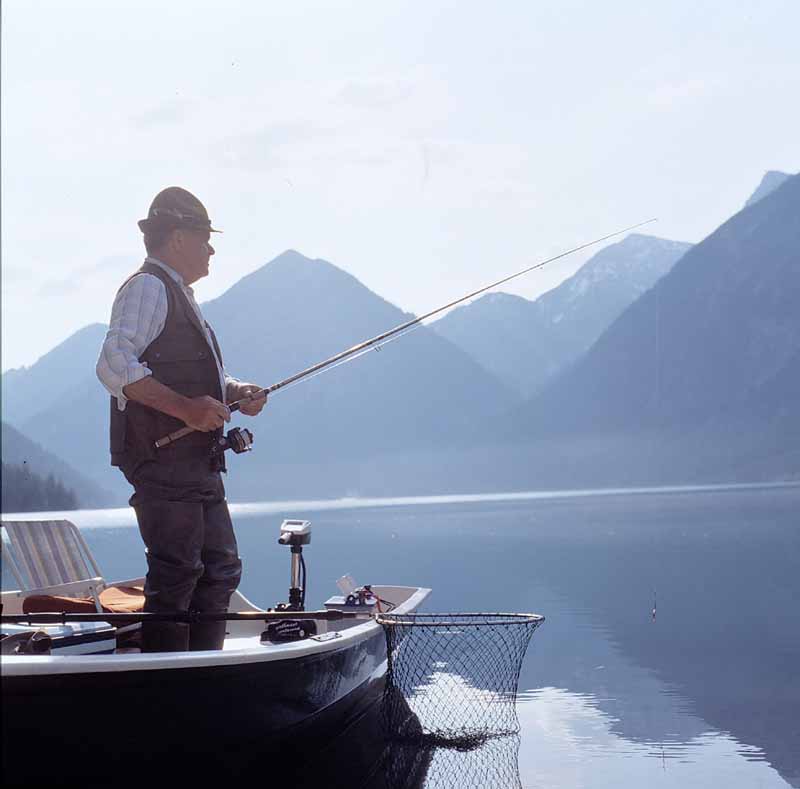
(81, 438)
(525, 344)
(26, 491)
(26, 390)
(19, 450)
(696, 380)
(702, 372)
(59, 403)
(769, 183)
(294, 312)
(414, 395)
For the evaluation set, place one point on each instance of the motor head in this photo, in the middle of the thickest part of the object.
(295, 533)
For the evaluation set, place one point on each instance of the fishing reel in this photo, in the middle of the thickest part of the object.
(356, 598)
(362, 596)
(239, 439)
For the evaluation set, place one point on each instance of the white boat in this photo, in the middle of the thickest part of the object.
(89, 717)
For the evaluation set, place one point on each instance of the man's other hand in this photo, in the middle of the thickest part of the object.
(252, 398)
(205, 413)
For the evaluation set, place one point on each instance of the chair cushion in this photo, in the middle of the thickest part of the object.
(114, 599)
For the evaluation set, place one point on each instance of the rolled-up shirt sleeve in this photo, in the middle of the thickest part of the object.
(229, 381)
(137, 318)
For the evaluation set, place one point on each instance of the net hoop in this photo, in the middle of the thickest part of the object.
(460, 619)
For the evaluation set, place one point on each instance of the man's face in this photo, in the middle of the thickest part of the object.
(196, 252)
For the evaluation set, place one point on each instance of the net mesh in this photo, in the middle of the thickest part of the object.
(452, 678)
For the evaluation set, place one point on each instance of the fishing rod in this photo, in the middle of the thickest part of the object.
(380, 339)
(187, 617)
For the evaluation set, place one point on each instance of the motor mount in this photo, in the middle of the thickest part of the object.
(289, 630)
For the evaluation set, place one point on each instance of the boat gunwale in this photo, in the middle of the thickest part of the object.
(46, 665)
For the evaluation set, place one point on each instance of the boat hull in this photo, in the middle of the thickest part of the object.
(86, 721)
(172, 715)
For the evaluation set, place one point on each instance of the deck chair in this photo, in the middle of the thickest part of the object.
(56, 571)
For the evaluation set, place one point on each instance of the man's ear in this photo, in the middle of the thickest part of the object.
(177, 239)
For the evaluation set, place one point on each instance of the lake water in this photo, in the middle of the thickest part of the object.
(705, 694)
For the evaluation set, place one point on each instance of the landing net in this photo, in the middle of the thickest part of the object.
(452, 678)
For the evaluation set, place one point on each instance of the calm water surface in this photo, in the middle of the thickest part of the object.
(707, 694)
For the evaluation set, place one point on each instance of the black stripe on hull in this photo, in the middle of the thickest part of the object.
(82, 729)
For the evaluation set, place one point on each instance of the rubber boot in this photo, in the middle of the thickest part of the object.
(165, 637)
(207, 635)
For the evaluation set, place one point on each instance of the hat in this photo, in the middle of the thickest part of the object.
(175, 207)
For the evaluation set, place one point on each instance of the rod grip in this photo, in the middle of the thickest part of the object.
(184, 431)
(174, 436)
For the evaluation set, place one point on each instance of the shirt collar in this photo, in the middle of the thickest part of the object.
(171, 271)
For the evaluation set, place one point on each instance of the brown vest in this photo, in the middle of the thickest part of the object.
(181, 359)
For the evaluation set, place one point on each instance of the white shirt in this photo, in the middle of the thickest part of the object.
(137, 318)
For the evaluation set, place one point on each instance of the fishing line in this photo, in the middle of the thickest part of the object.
(402, 329)
(360, 353)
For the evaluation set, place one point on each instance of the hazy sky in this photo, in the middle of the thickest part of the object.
(424, 147)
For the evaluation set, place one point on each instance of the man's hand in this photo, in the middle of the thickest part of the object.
(200, 413)
(205, 413)
(250, 405)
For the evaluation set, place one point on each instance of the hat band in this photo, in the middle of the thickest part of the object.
(186, 219)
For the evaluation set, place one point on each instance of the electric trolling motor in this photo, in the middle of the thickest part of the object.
(295, 534)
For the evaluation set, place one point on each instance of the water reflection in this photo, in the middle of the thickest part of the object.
(567, 741)
(494, 764)
(710, 687)
(367, 755)
(570, 742)
(706, 695)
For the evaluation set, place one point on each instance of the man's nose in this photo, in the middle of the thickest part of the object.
(210, 249)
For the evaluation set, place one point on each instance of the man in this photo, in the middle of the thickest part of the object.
(162, 365)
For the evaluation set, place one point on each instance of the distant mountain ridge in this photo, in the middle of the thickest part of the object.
(769, 183)
(708, 359)
(414, 394)
(27, 389)
(19, 450)
(696, 379)
(526, 343)
(24, 490)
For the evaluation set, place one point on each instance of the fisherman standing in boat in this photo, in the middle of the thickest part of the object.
(162, 365)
